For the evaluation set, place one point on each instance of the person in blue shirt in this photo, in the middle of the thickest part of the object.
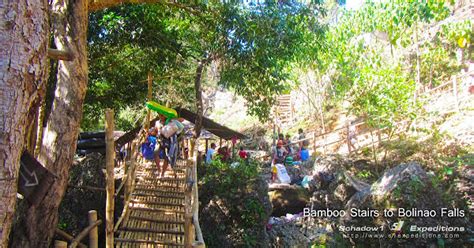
(210, 152)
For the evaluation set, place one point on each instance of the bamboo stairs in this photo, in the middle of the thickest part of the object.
(156, 213)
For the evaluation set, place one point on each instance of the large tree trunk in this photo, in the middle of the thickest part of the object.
(24, 33)
(69, 23)
(199, 104)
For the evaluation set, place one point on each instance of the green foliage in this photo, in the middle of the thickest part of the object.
(369, 58)
(364, 174)
(253, 45)
(235, 186)
(261, 45)
(227, 179)
(126, 42)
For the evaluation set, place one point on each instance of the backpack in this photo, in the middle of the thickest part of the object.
(148, 148)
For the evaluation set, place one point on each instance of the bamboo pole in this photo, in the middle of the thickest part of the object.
(84, 233)
(68, 237)
(149, 97)
(60, 244)
(198, 231)
(188, 209)
(94, 234)
(109, 160)
(128, 186)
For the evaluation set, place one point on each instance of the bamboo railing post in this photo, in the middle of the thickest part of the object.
(60, 244)
(84, 233)
(68, 237)
(128, 183)
(94, 234)
(188, 208)
(109, 160)
(197, 227)
(149, 97)
(193, 144)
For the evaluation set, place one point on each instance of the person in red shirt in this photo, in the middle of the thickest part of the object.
(243, 154)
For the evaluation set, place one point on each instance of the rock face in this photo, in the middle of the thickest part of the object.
(288, 235)
(288, 200)
(403, 189)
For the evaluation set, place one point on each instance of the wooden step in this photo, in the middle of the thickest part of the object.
(151, 199)
(144, 241)
(157, 203)
(162, 189)
(149, 219)
(163, 194)
(157, 210)
(158, 216)
(171, 186)
(164, 179)
(150, 230)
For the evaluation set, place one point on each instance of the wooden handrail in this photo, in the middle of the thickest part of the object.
(68, 237)
(83, 234)
(192, 228)
(130, 183)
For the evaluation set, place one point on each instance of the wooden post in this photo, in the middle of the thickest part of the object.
(109, 161)
(128, 184)
(207, 145)
(195, 208)
(60, 244)
(192, 143)
(188, 208)
(149, 97)
(68, 237)
(94, 234)
(190, 151)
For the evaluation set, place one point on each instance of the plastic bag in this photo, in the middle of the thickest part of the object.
(305, 182)
(179, 125)
(169, 129)
(282, 174)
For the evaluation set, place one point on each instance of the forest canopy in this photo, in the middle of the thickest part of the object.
(375, 58)
(252, 47)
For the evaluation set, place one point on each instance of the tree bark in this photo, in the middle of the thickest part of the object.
(69, 23)
(24, 40)
(199, 104)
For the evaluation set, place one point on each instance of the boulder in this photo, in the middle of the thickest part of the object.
(288, 235)
(291, 199)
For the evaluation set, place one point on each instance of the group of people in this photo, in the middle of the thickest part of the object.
(223, 153)
(158, 146)
(298, 151)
